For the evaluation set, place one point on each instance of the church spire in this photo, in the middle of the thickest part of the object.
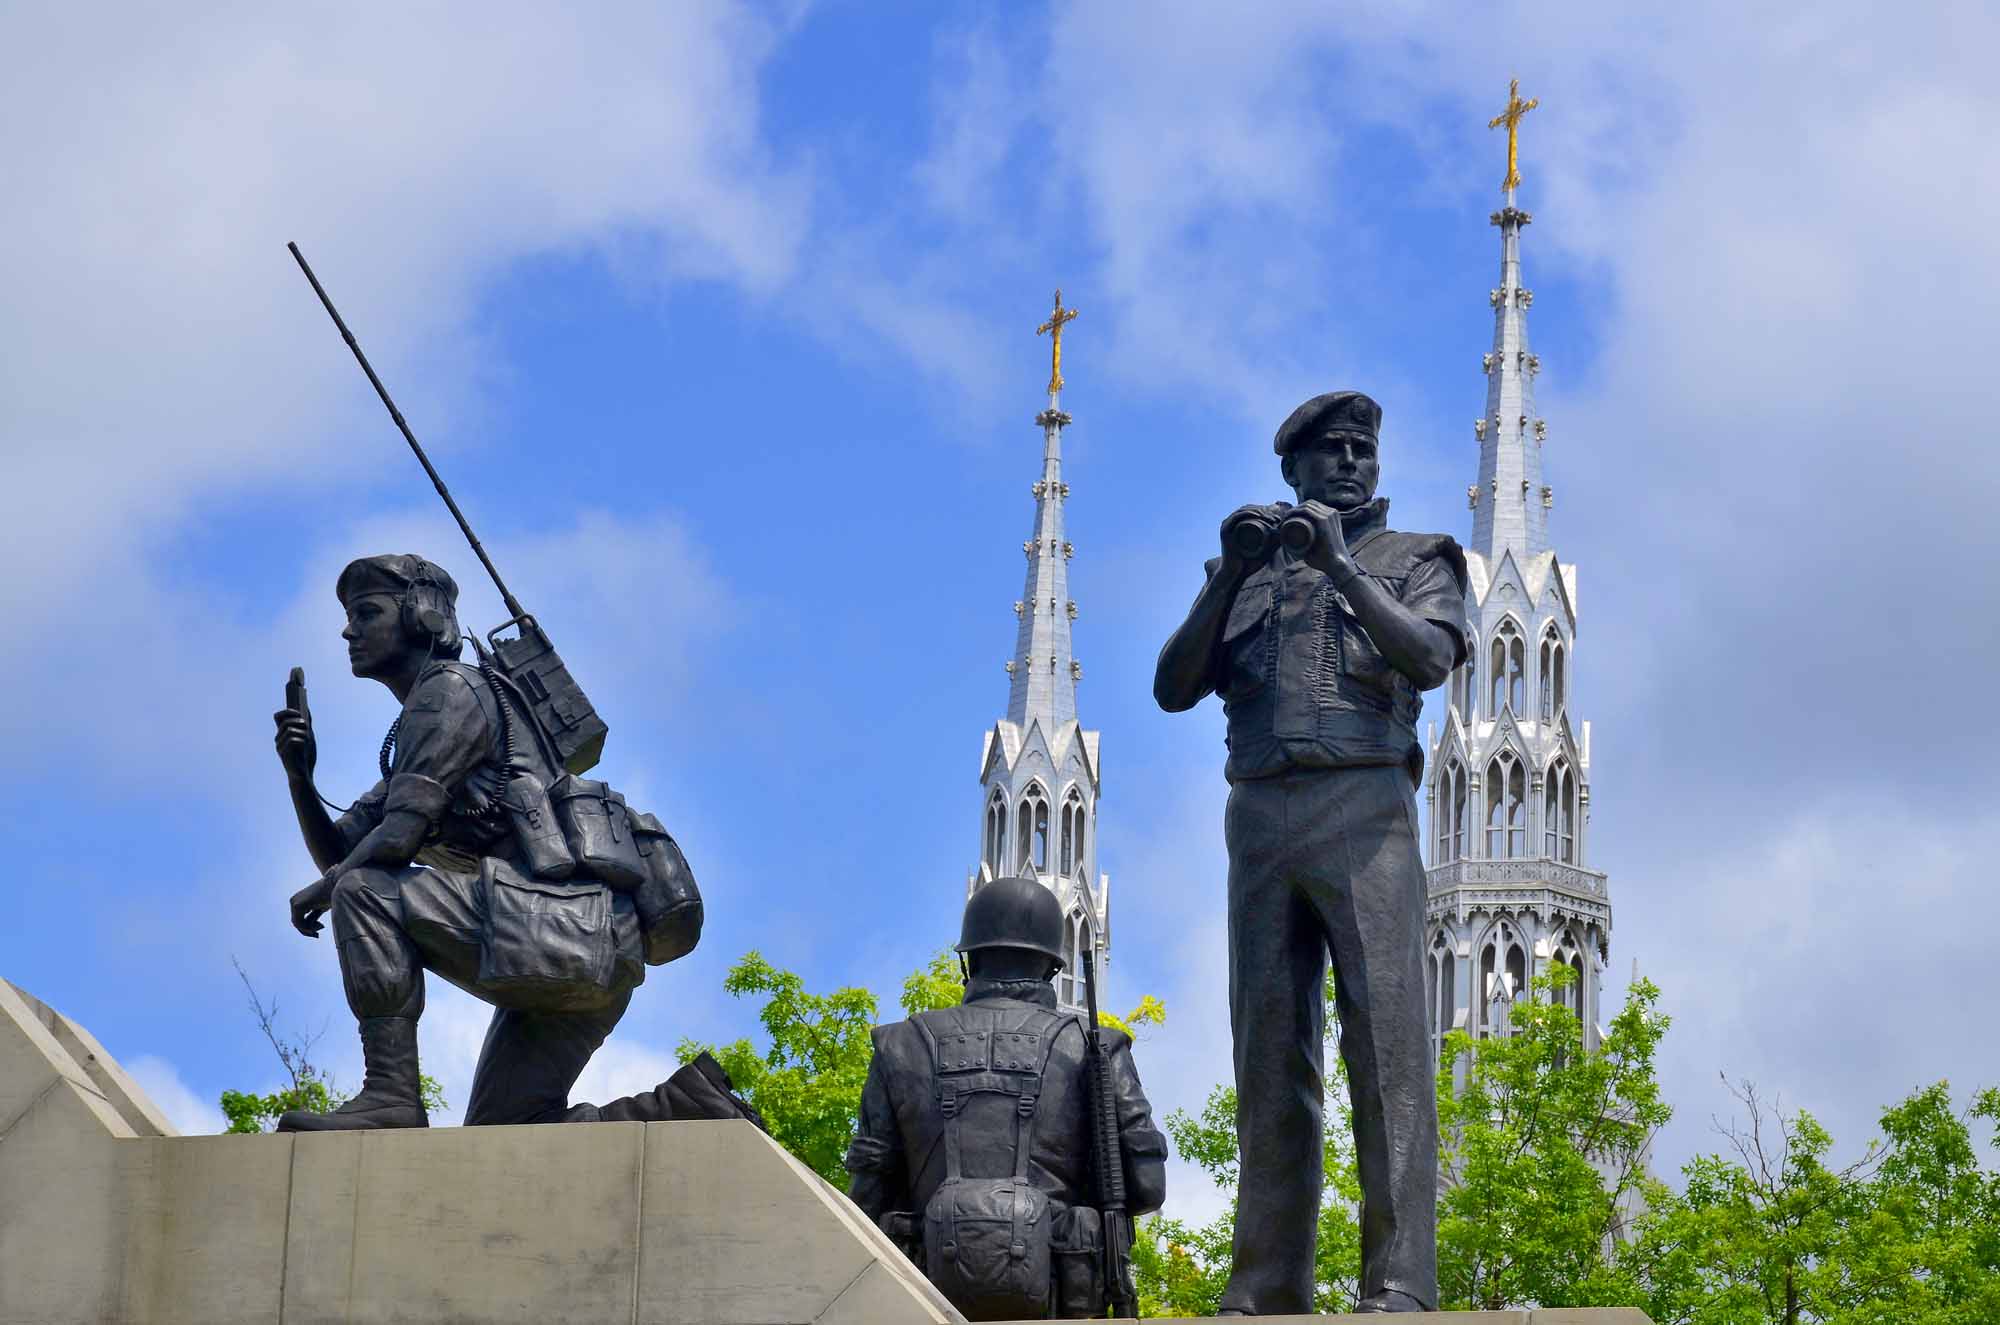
(1512, 891)
(1044, 670)
(1038, 767)
(1510, 503)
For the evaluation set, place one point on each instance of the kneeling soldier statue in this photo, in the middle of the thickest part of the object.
(456, 862)
(975, 1142)
(1320, 628)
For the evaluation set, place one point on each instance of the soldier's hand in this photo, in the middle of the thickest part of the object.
(310, 903)
(297, 750)
(1328, 553)
(1247, 530)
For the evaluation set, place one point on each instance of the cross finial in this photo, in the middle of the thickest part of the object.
(1054, 328)
(1511, 117)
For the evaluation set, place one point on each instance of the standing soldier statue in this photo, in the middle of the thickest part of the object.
(446, 866)
(975, 1142)
(1320, 627)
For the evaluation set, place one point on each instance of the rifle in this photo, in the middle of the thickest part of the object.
(529, 662)
(1108, 1158)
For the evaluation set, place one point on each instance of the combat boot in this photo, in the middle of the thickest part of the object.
(390, 1095)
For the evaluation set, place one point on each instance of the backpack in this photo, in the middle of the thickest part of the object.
(987, 1240)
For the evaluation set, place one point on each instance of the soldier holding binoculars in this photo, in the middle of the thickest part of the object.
(1320, 627)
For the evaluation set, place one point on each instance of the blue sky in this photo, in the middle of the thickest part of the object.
(719, 322)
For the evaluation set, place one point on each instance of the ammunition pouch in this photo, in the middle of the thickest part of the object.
(598, 829)
(537, 832)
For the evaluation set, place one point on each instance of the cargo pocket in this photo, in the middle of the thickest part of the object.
(547, 945)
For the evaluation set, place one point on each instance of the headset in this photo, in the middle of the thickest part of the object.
(429, 611)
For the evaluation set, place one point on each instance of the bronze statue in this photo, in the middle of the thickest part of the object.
(1320, 628)
(975, 1141)
(483, 854)
(446, 865)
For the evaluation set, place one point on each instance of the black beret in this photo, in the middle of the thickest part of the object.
(1334, 412)
(392, 574)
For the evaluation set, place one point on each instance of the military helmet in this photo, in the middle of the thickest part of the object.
(1013, 913)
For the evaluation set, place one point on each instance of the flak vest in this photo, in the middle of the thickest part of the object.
(1301, 683)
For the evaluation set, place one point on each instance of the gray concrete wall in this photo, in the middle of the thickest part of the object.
(626, 1222)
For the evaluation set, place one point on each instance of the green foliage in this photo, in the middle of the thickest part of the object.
(1182, 1268)
(1542, 1150)
(808, 1084)
(1150, 1012)
(1772, 1233)
(935, 986)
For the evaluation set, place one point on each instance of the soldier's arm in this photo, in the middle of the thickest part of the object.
(316, 826)
(1143, 1147)
(877, 1182)
(1186, 670)
(1421, 634)
(443, 737)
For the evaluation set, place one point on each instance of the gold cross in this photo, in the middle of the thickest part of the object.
(1054, 328)
(1511, 117)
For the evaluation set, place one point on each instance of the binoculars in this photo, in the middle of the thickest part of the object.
(1254, 542)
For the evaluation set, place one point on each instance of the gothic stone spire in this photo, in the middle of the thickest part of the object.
(1511, 887)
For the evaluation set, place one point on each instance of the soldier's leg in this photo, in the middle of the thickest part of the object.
(382, 964)
(1277, 969)
(531, 1059)
(1375, 922)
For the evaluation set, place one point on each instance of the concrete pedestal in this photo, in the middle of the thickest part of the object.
(106, 1215)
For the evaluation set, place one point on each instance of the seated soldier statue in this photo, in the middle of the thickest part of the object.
(428, 872)
(973, 1149)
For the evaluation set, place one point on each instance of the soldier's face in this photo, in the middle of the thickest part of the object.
(374, 635)
(1338, 469)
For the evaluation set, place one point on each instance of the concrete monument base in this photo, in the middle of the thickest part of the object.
(106, 1215)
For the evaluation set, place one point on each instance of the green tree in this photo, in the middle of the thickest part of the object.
(1543, 1149)
(1771, 1233)
(308, 1087)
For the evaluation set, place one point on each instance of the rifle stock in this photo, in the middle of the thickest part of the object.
(1108, 1161)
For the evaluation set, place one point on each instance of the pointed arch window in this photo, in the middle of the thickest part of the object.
(1550, 679)
(1452, 813)
(1506, 807)
(1559, 813)
(995, 850)
(1033, 818)
(1506, 669)
(1464, 687)
(1072, 834)
(1076, 939)
(1444, 985)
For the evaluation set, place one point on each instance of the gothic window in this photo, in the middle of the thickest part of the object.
(1506, 807)
(1072, 834)
(1550, 680)
(1444, 999)
(1464, 683)
(1499, 957)
(1507, 666)
(1559, 813)
(1451, 814)
(996, 835)
(1076, 941)
(1034, 832)
(1517, 969)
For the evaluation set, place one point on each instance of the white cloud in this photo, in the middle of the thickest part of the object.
(162, 354)
(161, 1081)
